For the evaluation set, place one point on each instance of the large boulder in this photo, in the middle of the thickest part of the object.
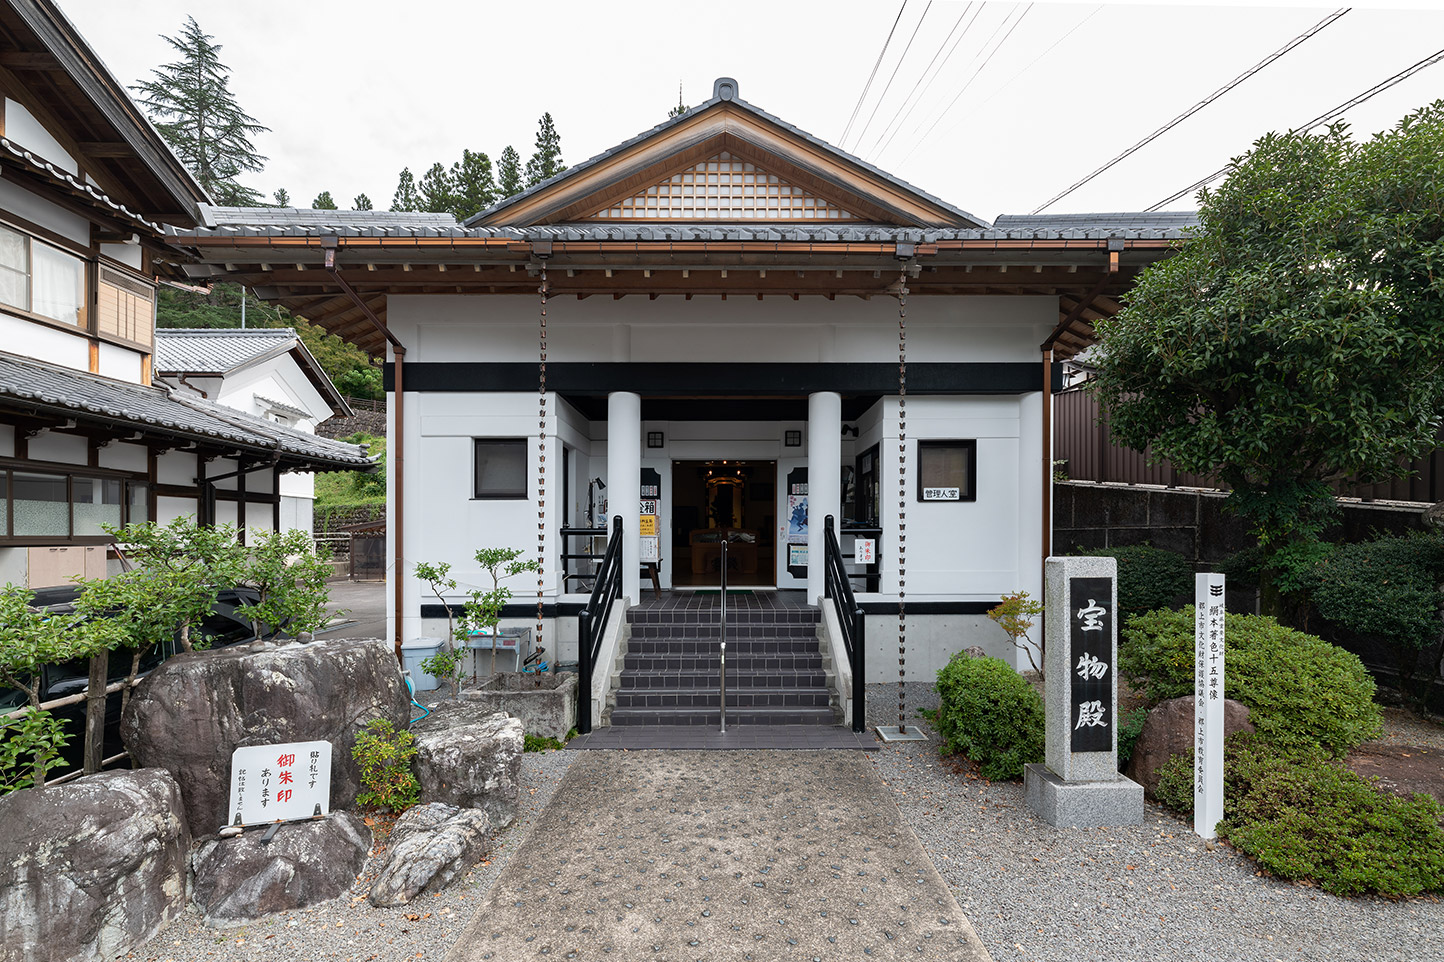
(1168, 731)
(92, 868)
(431, 846)
(472, 764)
(242, 878)
(194, 710)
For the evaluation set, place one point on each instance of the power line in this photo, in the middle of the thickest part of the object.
(896, 123)
(987, 60)
(868, 85)
(1318, 121)
(888, 86)
(1034, 61)
(1199, 106)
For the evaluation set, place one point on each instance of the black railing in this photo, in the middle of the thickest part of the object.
(850, 616)
(592, 622)
(585, 579)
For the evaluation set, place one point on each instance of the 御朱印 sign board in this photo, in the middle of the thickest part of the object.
(273, 783)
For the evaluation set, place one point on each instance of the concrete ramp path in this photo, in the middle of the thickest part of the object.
(675, 856)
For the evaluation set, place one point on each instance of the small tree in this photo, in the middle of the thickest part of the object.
(144, 606)
(405, 197)
(546, 162)
(1016, 615)
(483, 608)
(508, 173)
(324, 201)
(447, 662)
(289, 571)
(434, 192)
(283, 197)
(193, 563)
(361, 202)
(473, 183)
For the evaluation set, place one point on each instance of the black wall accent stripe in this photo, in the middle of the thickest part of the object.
(584, 378)
(564, 610)
(929, 607)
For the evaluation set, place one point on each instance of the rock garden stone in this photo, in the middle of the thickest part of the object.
(546, 703)
(92, 868)
(1168, 731)
(189, 714)
(431, 846)
(472, 764)
(240, 878)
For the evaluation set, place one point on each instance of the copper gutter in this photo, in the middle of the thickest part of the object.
(397, 452)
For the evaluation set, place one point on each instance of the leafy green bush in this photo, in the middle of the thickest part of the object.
(990, 713)
(1303, 816)
(384, 755)
(1300, 689)
(1148, 578)
(1129, 731)
(540, 743)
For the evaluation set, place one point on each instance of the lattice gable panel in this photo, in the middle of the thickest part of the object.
(723, 188)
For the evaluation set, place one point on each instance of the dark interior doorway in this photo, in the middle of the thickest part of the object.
(713, 500)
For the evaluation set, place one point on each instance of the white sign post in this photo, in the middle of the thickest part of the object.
(1208, 690)
(280, 783)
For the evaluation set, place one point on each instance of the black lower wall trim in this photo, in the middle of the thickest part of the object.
(727, 380)
(930, 607)
(566, 609)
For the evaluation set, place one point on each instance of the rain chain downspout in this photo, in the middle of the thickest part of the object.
(541, 477)
(396, 452)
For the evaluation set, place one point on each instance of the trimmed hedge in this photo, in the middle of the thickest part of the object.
(990, 713)
(1301, 691)
(1148, 578)
(1387, 588)
(1303, 816)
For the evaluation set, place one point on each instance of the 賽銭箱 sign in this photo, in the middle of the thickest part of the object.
(277, 783)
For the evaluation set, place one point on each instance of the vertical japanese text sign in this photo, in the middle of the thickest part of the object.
(1208, 655)
(277, 783)
(1090, 628)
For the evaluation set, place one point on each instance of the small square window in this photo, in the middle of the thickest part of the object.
(792, 439)
(654, 439)
(500, 469)
(948, 470)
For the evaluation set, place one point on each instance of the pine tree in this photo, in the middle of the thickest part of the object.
(362, 202)
(473, 184)
(434, 191)
(283, 197)
(405, 197)
(547, 161)
(192, 106)
(508, 172)
(324, 201)
(681, 107)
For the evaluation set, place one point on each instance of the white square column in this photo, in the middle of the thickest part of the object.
(824, 483)
(624, 476)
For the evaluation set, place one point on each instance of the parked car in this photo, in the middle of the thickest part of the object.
(224, 626)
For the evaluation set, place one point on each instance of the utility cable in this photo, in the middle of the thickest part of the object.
(987, 60)
(1321, 119)
(870, 77)
(896, 123)
(1312, 31)
(1034, 62)
(896, 67)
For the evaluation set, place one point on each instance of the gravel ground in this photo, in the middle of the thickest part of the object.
(1406, 728)
(1151, 891)
(350, 928)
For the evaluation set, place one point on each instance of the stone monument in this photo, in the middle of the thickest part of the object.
(1078, 784)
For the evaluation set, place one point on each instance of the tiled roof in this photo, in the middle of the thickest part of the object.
(307, 217)
(212, 351)
(1123, 220)
(16, 154)
(155, 411)
(757, 111)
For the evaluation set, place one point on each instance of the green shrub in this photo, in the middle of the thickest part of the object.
(990, 713)
(1303, 816)
(1129, 731)
(384, 755)
(540, 743)
(1148, 578)
(1300, 689)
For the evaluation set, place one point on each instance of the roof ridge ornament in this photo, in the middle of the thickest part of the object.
(724, 88)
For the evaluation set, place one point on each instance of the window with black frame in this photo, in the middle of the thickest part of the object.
(948, 470)
(500, 469)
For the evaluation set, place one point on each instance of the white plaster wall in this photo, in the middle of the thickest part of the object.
(22, 128)
(23, 203)
(176, 467)
(297, 514)
(124, 457)
(43, 342)
(121, 363)
(127, 254)
(279, 379)
(167, 509)
(931, 641)
(7, 441)
(65, 448)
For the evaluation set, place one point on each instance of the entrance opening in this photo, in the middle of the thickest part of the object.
(717, 500)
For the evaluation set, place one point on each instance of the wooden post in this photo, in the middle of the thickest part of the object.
(95, 712)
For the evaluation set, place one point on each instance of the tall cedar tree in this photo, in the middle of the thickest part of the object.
(283, 197)
(434, 190)
(324, 201)
(508, 172)
(546, 162)
(192, 106)
(473, 184)
(1295, 339)
(362, 202)
(405, 197)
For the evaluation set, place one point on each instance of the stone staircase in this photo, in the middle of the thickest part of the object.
(776, 673)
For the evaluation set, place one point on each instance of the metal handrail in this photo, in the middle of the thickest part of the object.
(565, 557)
(592, 622)
(850, 616)
(722, 660)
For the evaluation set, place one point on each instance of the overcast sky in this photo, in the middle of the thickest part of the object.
(1033, 97)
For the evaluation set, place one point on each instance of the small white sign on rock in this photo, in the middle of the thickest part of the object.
(278, 783)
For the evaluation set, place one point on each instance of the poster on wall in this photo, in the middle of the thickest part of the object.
(797, 556)
(797, 517)
(649, 550)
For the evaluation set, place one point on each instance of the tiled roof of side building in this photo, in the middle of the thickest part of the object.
(153, 410)
(305, 216)
(212, 351)
(1122, 220)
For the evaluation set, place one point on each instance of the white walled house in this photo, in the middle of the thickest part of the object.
(265, 372)
(87, 437)
(707, 317)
